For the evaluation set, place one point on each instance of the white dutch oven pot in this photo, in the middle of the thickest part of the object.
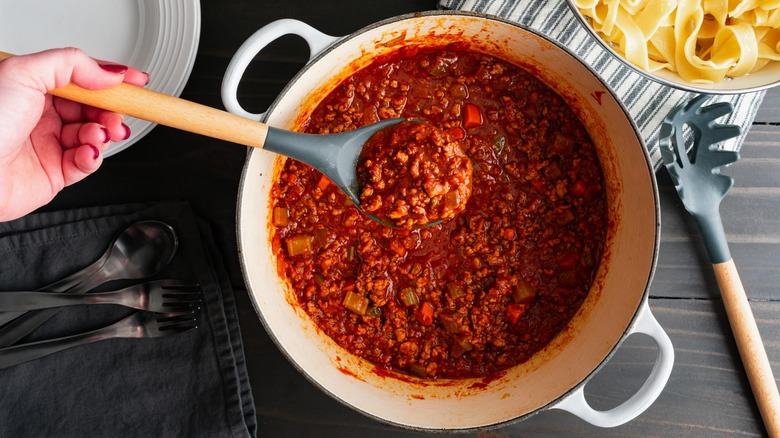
(615, 308)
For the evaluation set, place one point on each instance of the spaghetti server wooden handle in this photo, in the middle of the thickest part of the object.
(750, 345)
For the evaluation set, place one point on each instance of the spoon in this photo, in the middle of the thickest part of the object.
(335, 155)
(75, 282)
(140, 250)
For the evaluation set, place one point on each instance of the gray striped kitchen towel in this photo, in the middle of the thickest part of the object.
(647, 101)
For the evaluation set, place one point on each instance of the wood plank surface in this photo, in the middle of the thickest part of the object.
(770, 108)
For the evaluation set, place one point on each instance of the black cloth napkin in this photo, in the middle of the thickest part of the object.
(193, 384)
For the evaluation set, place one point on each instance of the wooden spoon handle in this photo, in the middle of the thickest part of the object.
(169, 111)
(750, 345)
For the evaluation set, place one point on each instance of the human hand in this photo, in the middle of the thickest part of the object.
(48, 143)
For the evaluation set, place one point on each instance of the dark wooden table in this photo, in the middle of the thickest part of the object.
(707, 394)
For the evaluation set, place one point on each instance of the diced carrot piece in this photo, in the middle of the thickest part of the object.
(323, 183)
(514, 311)
(509, 233)
(425, 314)
(456, 134)
(472, 116)
(397, 247)
(578, 188)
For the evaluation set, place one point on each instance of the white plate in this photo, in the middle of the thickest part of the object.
(158, 37)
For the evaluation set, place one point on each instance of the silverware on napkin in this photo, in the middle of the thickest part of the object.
(140, 250)
(139, 324)
(131, 381)
(155, 296)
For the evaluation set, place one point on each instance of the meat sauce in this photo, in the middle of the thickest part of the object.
(485, 290)
(412, 175)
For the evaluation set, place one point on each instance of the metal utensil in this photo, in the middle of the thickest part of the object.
(138, 325)
(701, 187)
(141, 250)
(155, 296)
(334, 155)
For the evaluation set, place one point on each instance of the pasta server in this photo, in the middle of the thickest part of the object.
(701, 186)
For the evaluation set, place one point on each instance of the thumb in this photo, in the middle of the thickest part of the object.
(56, 68)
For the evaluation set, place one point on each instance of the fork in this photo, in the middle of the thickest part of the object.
(139, 324)
(156, 296)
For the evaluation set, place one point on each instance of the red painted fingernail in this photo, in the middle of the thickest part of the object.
(114, 68)
(106, 135)
(95, 152)
(127, 131)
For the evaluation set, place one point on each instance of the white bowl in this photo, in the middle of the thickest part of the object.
(765, 78)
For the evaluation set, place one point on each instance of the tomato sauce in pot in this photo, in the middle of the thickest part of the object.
(485, 290)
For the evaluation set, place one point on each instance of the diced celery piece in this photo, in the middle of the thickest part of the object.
(409, 297)
(298, 245)
(418, 370)
(281, 217)
(524, 292)
(465, 345)
(450, 325)
(455, 290)
(356, 303)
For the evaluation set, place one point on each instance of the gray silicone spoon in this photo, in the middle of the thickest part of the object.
(335, 155)
(701, 187)
(140, 250)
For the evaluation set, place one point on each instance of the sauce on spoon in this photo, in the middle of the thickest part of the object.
(413, 174)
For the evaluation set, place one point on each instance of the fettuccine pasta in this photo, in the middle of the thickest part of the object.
(703, 41)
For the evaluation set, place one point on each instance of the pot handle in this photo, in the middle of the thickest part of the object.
(576, 404)
(316, 40)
